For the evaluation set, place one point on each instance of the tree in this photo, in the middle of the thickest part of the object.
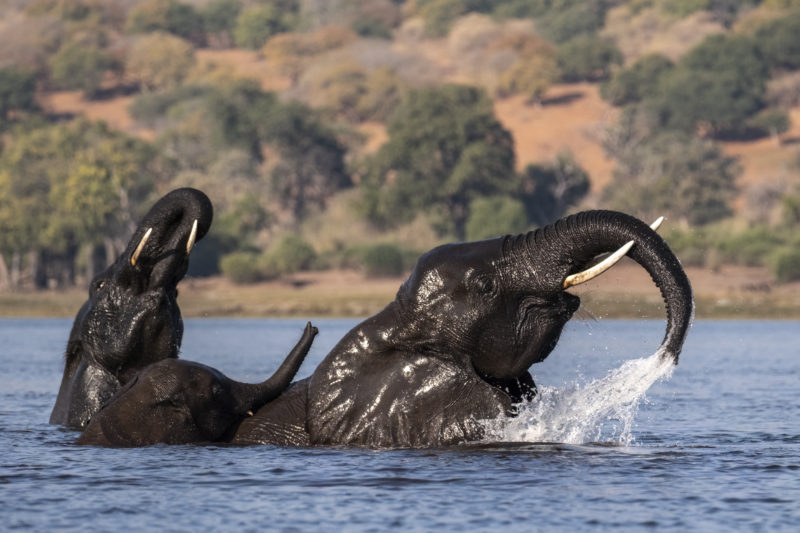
(445, 148)
(637, 82)
(495, 215)
(587, 58)
(219, 20)
(573, 19)
(778, 41)
(80, 66)
(548, 191)
(719, 84)
(311, 166)
(255, 25)
(674, 174)
(17, 91)
(291, 53)
(530, 75)
(71, 185)
(160, 60)
(170, 16)
(353, 92)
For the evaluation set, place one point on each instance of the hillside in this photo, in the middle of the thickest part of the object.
(573, 116)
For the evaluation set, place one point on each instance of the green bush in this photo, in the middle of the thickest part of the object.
(77, 66)
(635, 83)
(786, 265)
(383, 260)
(292, 254)
(587, 58)
(255, 25)
(751, 247)
(778, 41)
(493, 216)
(770, 122)
(151, 107)
(242, 267)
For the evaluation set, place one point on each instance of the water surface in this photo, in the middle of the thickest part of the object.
(715, 446)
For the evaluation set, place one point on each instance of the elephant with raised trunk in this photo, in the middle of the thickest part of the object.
(175, 401)
(455, 346)
(131, 318)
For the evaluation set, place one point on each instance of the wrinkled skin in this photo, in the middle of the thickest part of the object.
(455, 346)
(131, 318)
(175, 401)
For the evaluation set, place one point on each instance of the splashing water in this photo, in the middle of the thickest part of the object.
(602, 410)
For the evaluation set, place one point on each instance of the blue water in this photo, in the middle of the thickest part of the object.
(714, 447)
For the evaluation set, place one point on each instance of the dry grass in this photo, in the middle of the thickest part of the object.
(625, 291)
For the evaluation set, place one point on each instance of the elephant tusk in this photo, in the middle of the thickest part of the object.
(605, 264)
(192, 237)
(138, 251)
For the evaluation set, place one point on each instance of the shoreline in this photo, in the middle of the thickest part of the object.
(624, 292)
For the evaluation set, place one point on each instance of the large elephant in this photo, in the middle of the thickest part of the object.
(455, 346)
(131, 318)
(175, 401)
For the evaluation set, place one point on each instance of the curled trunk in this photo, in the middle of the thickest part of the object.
(571, 243)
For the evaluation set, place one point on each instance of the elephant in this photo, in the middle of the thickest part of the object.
(175, 401)
(455, 346)
(131, 318)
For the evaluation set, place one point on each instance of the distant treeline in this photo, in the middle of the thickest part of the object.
(294, 186)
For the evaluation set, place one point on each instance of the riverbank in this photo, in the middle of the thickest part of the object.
(624, 292)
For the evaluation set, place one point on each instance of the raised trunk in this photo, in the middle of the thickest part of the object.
(170, 220)
(251, 397)
(570, 244)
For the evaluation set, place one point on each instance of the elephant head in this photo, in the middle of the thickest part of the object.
(176, 401)
(499, 305)
(456, 344)
(131, 318)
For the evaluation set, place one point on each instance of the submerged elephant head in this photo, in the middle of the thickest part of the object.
(456, 344)
(131, 318)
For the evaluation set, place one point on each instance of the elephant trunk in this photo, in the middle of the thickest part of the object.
(569, 245)
(163, 240)
(251, 397)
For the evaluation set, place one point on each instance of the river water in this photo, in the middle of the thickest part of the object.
(614, 441)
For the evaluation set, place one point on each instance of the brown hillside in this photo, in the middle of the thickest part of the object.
(572, 117)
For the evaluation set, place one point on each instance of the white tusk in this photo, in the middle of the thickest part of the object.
(192, 237)
(605, 264)
(599, 268)
(657, 224)
(138, 251)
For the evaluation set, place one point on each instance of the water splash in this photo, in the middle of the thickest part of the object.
(602, 410)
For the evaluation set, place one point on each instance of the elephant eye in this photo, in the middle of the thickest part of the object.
(486, 285)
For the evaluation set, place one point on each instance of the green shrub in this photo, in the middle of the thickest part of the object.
(751, 247)
(786, 265)
(292, 254)
(587, 58)
(493, 216)
(383, 260)
(770, 122)
(242, 267)
(255, 25)
(151, 107)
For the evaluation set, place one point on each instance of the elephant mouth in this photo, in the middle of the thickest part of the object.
(540, 326)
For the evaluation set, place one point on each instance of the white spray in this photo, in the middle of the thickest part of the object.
(603, 409)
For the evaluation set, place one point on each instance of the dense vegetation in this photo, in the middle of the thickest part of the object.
(292, 181)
